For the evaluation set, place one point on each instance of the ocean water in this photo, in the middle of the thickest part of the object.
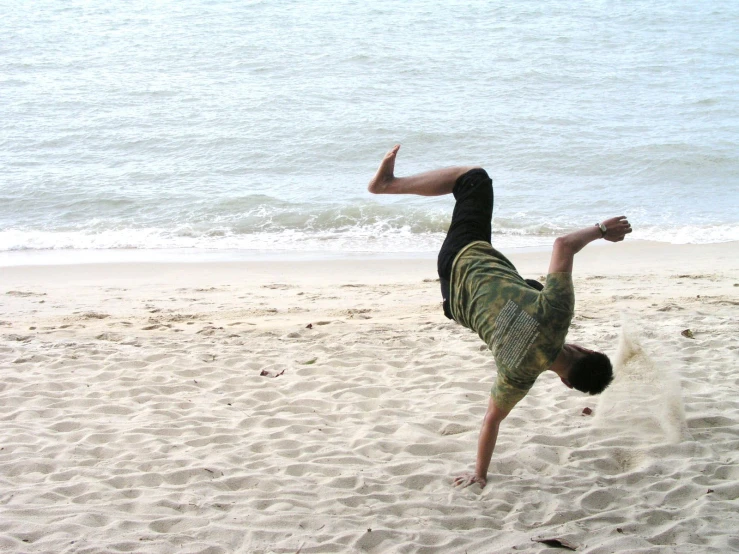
(254, 126)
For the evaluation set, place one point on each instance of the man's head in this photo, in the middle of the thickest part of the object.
(589, 371)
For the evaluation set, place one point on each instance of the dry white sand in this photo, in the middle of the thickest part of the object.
(192, 408)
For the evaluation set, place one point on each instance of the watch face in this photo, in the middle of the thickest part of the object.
(603, 228)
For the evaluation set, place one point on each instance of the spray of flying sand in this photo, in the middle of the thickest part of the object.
(643, 406)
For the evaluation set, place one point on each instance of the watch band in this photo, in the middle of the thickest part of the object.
(603, 229)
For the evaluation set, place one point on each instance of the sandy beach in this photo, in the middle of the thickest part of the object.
(325, 406)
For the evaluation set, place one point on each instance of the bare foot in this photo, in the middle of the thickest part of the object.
(385, 173)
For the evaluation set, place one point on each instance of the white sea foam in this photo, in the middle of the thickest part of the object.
(373, 239)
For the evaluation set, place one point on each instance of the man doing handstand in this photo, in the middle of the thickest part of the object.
(523, 323)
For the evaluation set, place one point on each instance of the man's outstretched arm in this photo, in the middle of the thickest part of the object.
(566, 247)
(485, 447)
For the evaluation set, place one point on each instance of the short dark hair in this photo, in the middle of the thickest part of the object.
(592, 373)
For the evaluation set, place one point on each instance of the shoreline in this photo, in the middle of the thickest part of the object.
(183, 256)
(16, 258)
(617, 259)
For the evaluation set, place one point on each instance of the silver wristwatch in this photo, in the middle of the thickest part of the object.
(603, 229)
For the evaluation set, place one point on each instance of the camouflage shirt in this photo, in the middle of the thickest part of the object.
(524, 328)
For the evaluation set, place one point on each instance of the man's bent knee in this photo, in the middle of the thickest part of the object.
(475, 181)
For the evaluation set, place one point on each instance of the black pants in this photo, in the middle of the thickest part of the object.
(471, 221)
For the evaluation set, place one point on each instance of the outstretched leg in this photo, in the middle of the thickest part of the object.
(430, 183)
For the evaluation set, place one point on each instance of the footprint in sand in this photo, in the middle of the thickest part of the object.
(94, 315)
(18, 338)
(112, 337)
(278, 286)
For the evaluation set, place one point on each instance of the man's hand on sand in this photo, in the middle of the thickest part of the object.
(468, 479)
(617, 228)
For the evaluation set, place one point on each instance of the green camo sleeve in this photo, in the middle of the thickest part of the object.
(559, 292)
(505, 395)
